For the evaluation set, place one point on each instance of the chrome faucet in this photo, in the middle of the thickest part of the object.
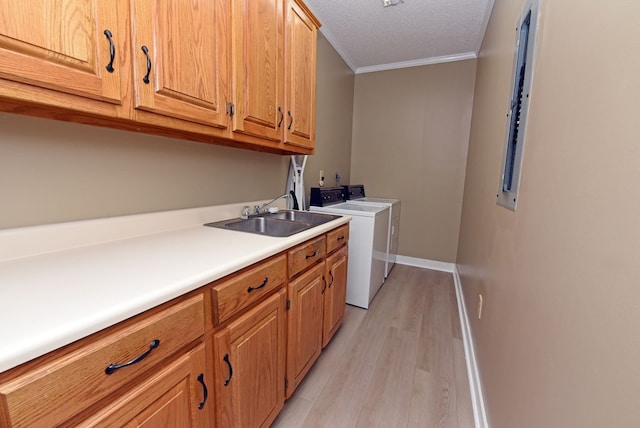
(259, 209)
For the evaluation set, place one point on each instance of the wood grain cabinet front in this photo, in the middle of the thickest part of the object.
(337, 238)
(300, 76)
(239, 291)
(274, 73)
(304, 324)
(258, 67)
(249, 364)
(315, 301)
(72, 47)
(180, 59)
(336, 294)
(306, 255)
(52, 392)
(175, 395)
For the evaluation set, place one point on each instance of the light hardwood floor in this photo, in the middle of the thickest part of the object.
(399, 364)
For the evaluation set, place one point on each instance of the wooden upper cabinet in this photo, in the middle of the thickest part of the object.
(258, 67)
(233, 72)
(300, 76)
(180, 58)
(62, 45)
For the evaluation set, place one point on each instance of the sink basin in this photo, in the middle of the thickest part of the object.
(280, 224)
(314, 219)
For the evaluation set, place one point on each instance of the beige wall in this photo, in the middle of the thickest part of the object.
(410, 136)
(558, 341)
(55, 171)
(334, 107)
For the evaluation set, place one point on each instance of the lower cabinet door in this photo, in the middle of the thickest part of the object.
(249, 363)
(304, 324)
(176, 395)
(336, 295)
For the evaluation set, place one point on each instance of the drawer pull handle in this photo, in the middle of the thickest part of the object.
(341, 238)
(250, 289)
(226, 360)
(308, 256)
(205, 391)
(332, 279)
(325, 285)
(112, 51)
(111, 368)
(145, 79)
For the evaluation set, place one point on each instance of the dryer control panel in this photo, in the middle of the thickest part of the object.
(354, 191)
(324, 196)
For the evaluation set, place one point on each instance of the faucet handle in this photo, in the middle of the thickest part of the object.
(256, 209)
(245, 212)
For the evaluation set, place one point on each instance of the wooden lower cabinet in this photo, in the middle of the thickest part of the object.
(336, 293)
(249, 365)
(221, 356)
(67, 383)
(304, 324)
(177, 395)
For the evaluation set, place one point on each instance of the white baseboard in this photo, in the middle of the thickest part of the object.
(425, 263)
(477, 399)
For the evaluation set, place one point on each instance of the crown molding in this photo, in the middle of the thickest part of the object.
(417, 62)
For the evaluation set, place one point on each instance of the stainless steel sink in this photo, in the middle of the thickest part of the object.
(314, 219)
(280, 224)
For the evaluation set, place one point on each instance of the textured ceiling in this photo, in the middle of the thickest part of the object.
(370, 37)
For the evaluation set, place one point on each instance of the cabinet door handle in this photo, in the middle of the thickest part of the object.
(113, 367)
(308, 256)
(145, 79)
(250, 289)
(290, 119)
(332, 279)
(205, 391)
(325, 285)
(281, 116)
(341, 238)
(226, 360)
(112, 51)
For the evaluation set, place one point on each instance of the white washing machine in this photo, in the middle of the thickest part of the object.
(355, 193)
(367, 242)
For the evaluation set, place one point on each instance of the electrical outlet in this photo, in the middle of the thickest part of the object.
(480, 303)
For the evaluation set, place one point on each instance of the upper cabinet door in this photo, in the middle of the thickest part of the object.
(258, 27)
(300, 76)
(64, 45)
(180, 56)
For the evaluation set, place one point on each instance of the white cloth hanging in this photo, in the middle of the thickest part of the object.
(295, 180)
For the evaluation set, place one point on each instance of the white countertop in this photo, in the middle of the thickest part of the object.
(53, 293)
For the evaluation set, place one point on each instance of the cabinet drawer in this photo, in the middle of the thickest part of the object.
(233, 294)
(55, 391)
(305, 255)
(337, 237)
